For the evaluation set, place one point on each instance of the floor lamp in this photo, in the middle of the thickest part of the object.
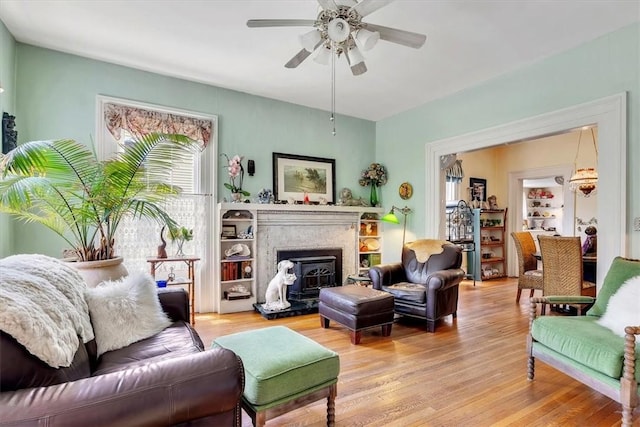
(392, 218)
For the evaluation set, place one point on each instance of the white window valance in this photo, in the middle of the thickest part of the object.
(140, 121)
(454, 173)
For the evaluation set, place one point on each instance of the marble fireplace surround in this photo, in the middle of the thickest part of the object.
(298, 227)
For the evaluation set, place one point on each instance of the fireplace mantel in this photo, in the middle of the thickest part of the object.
(264, 207)
(293, 227)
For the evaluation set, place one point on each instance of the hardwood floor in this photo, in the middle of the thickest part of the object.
(470, 372)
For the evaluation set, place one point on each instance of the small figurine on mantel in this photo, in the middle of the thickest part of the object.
(346, 199)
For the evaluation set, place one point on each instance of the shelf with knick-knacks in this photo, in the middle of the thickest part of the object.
(236, 288)
(369, 242)
(543, 208)
(493, 261)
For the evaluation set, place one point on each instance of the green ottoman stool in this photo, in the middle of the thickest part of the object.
(283, 371)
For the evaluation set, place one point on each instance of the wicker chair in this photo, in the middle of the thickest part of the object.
(562, 268)
(529, 277)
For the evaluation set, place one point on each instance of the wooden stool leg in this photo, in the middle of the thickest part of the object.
(355, 337)
(260, 419)
(331, 406)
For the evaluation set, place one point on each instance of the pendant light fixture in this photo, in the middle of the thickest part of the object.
(585, 180)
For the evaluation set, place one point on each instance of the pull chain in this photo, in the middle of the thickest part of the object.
(333, 89)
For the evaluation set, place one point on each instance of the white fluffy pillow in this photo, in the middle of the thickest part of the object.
(125, 311)
(623, 308)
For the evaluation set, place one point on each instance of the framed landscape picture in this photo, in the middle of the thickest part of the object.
(294, 175)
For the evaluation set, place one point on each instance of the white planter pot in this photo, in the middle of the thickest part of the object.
(95, 272)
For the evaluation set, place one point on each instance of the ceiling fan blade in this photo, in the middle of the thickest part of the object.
(328, 4)
(358, 69)
(393, 35)
(256, 23)
(301, 56)
(366, 7)
(297, 59)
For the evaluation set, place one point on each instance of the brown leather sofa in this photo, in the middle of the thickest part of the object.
(427, 290)
(167, 379)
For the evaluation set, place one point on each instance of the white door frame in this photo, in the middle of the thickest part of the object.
(515, 201)
(609, 114)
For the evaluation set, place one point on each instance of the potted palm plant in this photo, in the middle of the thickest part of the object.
(62, 185)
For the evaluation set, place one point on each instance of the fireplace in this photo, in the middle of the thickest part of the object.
(298, 231)
(314, 270)
(312, 274)
(311, 271)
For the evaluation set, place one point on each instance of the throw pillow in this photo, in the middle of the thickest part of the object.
(623, 308)
(125, 311)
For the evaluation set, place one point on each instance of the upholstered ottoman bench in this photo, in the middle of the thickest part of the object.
(283, 371)
(357, 308)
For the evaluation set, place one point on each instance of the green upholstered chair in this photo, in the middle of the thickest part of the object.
(583, 349)
(284, 370)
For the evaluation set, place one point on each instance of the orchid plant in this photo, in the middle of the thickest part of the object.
(236, 171)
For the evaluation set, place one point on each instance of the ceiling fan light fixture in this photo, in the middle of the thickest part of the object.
(338, 30)
(354, 56)
(310, 40)
(367, 39)
(323, 56)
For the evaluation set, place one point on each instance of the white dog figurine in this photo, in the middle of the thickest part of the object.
(276, 295)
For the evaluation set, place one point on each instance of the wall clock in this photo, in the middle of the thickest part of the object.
(405, 191)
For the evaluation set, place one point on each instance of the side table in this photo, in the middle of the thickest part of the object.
(357, 279)
(191, 277)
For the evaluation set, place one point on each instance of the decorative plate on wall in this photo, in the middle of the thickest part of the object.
(405, 191)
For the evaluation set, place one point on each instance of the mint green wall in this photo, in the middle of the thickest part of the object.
(7, 104)
(57, 98)
(602, 67)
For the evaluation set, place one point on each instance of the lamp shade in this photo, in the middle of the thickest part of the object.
(390, 217)
(584, 180)
(323, 56)
(367, 39)
(354, 56)
(338, 30)
(310, 40)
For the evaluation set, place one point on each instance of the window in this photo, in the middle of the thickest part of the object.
(453, 175)
(136, 239)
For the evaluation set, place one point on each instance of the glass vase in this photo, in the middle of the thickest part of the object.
(373, 197)
(179, 251)
(236, 197)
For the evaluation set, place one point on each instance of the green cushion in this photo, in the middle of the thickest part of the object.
(280, 364)
(583, 340)
(620, 271)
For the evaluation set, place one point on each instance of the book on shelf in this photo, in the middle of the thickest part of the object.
(374, 259)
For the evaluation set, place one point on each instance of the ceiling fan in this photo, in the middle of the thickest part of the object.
(339, 29)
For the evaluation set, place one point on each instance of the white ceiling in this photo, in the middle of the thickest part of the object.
(468, 41)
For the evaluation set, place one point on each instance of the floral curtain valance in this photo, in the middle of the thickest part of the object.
(455, 173)
(139, 121)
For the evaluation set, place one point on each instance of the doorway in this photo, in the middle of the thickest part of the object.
(609, 114)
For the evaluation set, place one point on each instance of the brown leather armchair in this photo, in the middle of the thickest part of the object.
(425, 283)
(167, 379)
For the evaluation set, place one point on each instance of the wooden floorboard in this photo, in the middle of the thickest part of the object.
(470, 372)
